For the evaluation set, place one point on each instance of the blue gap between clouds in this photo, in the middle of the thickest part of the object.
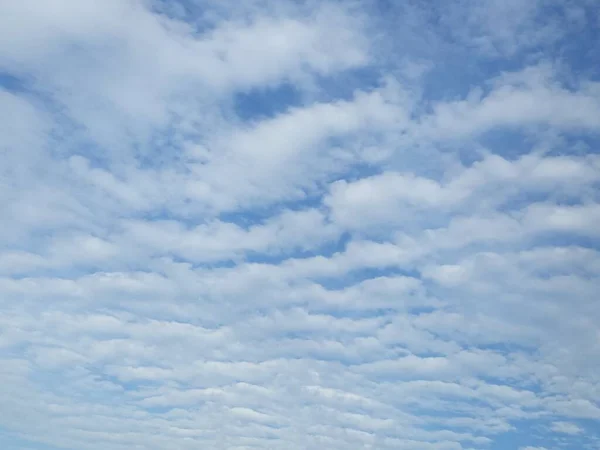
(558, 239)
(12, 83)
(512, 143)
(581, 45)
(260, 104)
(356, 277)
(268, 102)
(327, 249)
(509, 143)
(344, 85)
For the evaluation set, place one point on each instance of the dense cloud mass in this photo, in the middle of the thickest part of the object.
(300, 225)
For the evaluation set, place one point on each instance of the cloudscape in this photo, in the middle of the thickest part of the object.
(300, 224)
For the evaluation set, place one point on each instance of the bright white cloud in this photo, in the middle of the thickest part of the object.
(289, 226)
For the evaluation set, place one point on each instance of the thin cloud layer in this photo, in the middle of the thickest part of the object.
(300, 225)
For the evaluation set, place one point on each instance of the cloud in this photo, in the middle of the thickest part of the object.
(299, 225)
(509, 105)
(566, 428)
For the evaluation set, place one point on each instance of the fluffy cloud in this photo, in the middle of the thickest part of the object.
(299, 225)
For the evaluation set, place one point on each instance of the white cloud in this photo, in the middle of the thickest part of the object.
(119, 60)
(492, 182)
(566, 428)
(391, 243)
(512, 106)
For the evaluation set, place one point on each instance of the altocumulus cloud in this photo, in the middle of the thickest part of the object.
(300, 225)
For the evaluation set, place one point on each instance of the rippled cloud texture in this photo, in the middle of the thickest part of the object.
(300, 225)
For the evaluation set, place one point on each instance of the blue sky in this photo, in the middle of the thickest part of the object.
(300, 225)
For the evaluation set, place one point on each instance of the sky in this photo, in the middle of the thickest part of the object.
(298, 224)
